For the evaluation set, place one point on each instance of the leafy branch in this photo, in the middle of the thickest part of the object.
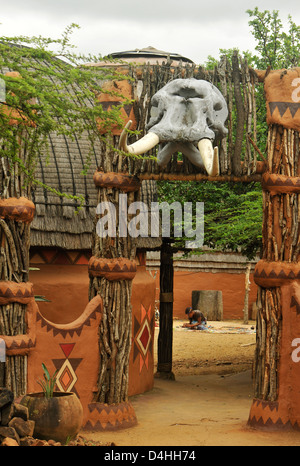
(47, 95)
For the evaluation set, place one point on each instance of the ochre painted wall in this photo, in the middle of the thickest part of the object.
(70, 284)
(66, 286)
(232, 287)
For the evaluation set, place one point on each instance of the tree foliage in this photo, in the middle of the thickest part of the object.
(276, 47)
(51, 90)
(233, 212)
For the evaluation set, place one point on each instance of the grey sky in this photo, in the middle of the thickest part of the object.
(193, 28)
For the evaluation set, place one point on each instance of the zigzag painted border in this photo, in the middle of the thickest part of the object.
(18, 209)
(68, 330)
(112, 269)
(21, 344)
(268, 415)
(13, 292)
(123, 182)
(277, 184)
(283, 107)
(274, 274)
(104, 417)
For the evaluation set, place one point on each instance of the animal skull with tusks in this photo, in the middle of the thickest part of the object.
(186, 116)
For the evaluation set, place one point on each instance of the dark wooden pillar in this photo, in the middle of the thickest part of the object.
(2, 362)
(165, 337)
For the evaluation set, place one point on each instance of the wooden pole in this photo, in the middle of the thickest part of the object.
(236, 161)
(2, 362)
(14, 258)
(199, 177)
(165, 337)
(112, 269)
(275, 372)
(247, 289)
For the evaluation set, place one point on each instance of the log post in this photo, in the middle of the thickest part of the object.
(111, 270)
(247, 290)
(2, 362)
(165, 337)
(236, 159)
(16, 214)
(16, 293)
(276, 404)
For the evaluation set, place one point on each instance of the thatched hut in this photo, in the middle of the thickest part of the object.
(61, 246)
(61, 237)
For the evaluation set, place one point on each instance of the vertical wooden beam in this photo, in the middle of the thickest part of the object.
(112, 269)
(247, 290)
(165, 337)
(276, 403)
(240, 111)
(2, 362)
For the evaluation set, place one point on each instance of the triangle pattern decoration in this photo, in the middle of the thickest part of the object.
(283, 107)
(142, 337)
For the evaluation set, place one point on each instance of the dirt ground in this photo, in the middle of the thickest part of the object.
(209, 402)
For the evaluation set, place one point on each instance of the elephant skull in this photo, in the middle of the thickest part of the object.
(186, 116)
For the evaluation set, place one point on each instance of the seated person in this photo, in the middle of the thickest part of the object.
(197, 320)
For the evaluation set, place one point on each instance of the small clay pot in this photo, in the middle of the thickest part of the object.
(58, 418)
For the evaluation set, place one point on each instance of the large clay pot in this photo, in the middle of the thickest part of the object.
(58, 418)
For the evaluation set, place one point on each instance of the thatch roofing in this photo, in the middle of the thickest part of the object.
(150, 55)
(56, 223)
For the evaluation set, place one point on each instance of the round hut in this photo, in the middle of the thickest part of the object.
(62, 240)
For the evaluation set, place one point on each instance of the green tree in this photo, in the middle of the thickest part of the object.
(49, 89)
(52, 90)
(233, 212)
(276, 47)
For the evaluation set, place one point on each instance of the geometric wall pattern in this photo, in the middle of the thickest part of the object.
(142, 341)
(66, 377)
(59, 256)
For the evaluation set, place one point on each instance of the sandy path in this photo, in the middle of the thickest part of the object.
(209, 402)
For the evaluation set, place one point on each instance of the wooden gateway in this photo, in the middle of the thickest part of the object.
(100, 372)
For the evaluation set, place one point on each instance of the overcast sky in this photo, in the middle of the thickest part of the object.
(193, 28)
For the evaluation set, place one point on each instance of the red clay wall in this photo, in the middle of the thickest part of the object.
(232, 287)
(67, 288)
(71, 291)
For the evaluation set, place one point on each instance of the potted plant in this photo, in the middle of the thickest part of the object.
(57, 415)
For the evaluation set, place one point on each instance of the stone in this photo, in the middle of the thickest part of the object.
(9, 432)
(39, 443)
(6, 414)
(21, 411)
(80, 441)
(26, 441)
(23, 428)
(6, 397)
(9, 442)
(210, 302)
(51, 442)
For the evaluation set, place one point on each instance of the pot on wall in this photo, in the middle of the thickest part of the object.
(58, 418)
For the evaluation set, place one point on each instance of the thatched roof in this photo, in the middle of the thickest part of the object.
(56, 223)
(150, 55)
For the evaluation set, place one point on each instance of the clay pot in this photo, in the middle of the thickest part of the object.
(58, 418)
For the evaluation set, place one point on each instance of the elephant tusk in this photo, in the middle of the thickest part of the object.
(139, 147)
(210, 156)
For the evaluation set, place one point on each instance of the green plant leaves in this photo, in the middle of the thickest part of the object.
(48, 384)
